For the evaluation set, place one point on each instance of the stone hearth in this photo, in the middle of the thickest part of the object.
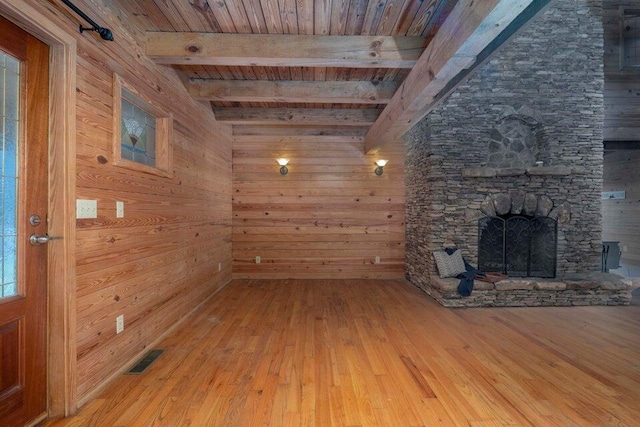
(570, 290)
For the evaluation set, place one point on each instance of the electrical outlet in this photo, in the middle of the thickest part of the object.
(257, 260)
(119, 323)
(377, 261)
(119, 209)
(624, 248)
(219, 266)
(86, 209)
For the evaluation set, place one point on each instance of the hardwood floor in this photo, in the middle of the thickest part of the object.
(380, 353)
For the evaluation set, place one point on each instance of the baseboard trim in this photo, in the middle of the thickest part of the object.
(37, 420)
(100, 387)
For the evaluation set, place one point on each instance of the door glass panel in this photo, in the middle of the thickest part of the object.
(9, 125)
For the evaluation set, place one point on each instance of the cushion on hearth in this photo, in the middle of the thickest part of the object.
(449, 265)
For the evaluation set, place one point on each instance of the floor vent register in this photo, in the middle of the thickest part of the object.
(145, 362)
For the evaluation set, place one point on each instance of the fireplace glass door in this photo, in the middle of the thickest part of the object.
(518, 246)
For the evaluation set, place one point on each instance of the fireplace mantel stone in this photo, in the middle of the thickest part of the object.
(487, 172)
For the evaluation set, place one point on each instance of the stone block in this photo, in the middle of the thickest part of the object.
(581, 284)
(514, 284)
(530, 204)
(545, 204)
(448, 288)
(479, 285)
(614, 286)
(549, 171)
(530, 115)
(478, 172)
(605, 281)
(473, 215)
(580, 303)
(502, 204)
(550, 286)
(507, 111)
(502, 172)
(564, 213)
(576, 170)
(449, 284)
(517, 201)
(487, 206)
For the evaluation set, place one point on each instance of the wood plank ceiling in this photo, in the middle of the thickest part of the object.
(325, 64)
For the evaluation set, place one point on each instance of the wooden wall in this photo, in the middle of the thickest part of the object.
(329, 217)
(621, 218)
(622, 86)
(160, 261)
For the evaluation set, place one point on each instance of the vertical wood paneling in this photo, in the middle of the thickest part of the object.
(622, 86)
(329, 217)
(621, 218)
(161, 260)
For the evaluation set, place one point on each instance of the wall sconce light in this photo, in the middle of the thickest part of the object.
(283, 165)
(381, 164)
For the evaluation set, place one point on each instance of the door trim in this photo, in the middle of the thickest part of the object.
(61, 283)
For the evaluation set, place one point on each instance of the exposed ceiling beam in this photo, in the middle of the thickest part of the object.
(470, 34)
(324, 92)
(288, 130)
(296, 116)
(284, 50)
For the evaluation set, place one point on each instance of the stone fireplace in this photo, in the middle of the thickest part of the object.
(521, 138)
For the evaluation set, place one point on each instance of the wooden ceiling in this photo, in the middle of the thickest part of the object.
(373, 66)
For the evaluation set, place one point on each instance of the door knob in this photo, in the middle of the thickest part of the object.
(36, 240)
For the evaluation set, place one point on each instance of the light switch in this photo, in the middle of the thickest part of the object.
(119, 209)
(86, 209)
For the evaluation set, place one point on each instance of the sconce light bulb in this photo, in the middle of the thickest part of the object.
(282, 161)
(381, 164)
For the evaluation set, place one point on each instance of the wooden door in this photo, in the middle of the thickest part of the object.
(24, 79)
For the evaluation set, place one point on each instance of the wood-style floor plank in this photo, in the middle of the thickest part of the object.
(380, 353)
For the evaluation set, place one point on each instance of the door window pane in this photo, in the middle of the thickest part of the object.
(9, 125)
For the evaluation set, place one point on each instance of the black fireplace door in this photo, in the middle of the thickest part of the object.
(518, 246)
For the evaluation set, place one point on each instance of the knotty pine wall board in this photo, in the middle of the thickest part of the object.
(621, 85)
(329, 217)
(621, 217)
